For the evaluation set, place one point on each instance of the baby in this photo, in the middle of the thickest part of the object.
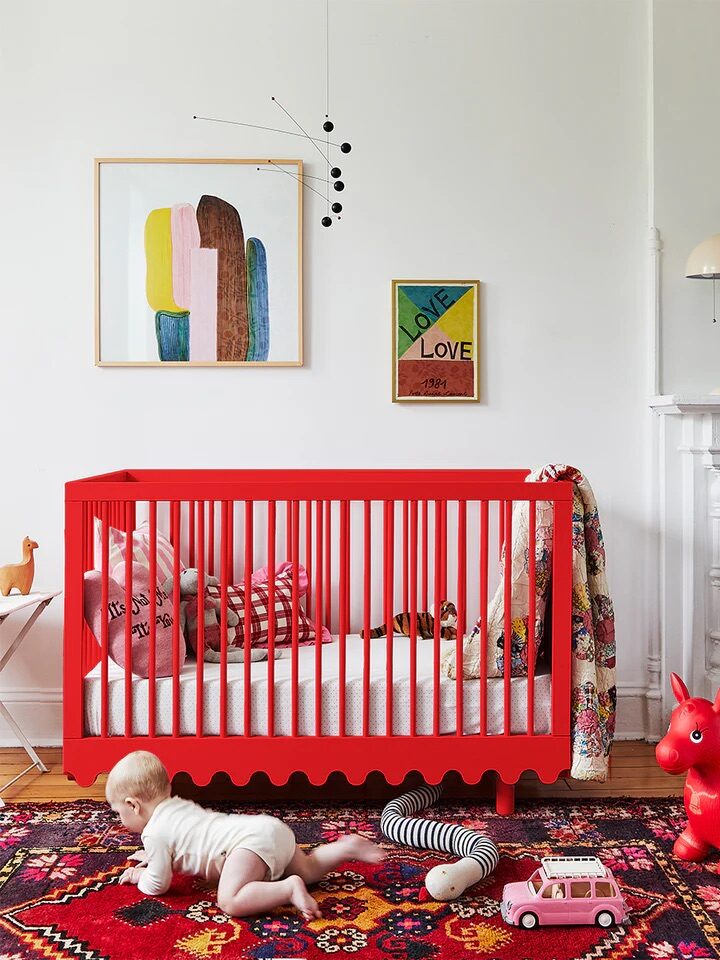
(253, 859)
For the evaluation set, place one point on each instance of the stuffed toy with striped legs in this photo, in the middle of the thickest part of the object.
(479, 855)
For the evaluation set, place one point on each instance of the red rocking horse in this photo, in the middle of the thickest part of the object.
(692, 743)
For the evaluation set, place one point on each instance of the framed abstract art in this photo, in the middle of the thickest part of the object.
(198, 262)
(435, 340)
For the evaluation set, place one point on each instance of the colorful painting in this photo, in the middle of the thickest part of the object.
(199, 262)
(435, 340)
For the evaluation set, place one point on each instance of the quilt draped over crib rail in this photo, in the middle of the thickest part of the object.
(593, 623)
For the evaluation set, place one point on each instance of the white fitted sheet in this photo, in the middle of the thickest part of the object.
(306, 696)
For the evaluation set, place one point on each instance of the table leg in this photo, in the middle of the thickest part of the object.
(5, 713)
(36, 761)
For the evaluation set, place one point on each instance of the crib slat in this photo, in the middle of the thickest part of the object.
(532, 518)
(271, 537)
(318, 614)
(295, 531)
(344, 538)
(288, 529)
(224, 518)
(405, 518)
(152, 510)
(425, 555)
(413, 615)
(308, 558)
(461, 612)
(348, 567)
(443, 551)
(231, 542)
(176, 637)
(501, 529)
(483, 592)
(389, 594)
(200, 648)
(328, 565)
(506, 507)
(561, 617)
(191, 533)
(104, 624)
(173, 531)
(247, 621)
(128, 618)
(437, 569)
(211, 539)
(367, 572)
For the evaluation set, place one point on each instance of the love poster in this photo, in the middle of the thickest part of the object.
(435, 339)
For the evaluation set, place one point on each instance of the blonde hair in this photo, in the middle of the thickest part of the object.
(139, 774)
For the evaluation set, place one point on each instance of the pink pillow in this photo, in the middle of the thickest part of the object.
(140, 631)
(141, 549)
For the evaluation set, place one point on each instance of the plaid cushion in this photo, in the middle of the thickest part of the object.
(259, 618)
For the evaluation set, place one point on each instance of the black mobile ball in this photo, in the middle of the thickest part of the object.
(328, 126)
(345, 147)
(335, 172)
(336, 208)
(339, 185)
(327, 221)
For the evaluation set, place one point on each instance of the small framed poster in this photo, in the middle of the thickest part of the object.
(435, 340)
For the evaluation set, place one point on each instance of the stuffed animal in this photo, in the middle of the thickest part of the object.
(478, 854)
(425, 623)
(692, 744)
(188, 591)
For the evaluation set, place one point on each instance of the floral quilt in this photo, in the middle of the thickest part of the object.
(593, 620)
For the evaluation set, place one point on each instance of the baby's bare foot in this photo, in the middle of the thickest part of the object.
(300, 898)
(360, 848)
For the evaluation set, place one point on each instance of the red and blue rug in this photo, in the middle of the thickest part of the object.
(60, 899)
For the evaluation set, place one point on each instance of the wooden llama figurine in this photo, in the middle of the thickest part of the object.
(692, 744)
(21, 574)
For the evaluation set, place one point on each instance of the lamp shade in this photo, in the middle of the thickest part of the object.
(704, 262)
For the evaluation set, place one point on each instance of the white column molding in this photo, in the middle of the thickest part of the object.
(654, 577)
(712, 611)
(689, 514)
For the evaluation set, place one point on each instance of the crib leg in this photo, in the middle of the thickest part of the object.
(504, 797)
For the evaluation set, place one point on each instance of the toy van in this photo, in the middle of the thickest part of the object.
(565, 890)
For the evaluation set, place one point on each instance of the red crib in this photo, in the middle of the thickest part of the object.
(374, 543)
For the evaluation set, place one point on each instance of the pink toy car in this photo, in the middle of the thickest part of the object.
(565, 890)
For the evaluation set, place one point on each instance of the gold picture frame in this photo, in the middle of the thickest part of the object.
(430, 359)
(274, 168)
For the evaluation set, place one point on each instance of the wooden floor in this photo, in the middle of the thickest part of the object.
(634, 773)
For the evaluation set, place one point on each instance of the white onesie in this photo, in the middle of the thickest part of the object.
(184, 837)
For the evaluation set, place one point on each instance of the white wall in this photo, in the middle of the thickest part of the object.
(502, 139)
(687, 198)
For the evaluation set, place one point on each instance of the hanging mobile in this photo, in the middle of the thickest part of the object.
(333, 172)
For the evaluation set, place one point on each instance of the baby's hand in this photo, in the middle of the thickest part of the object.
(131, 875)
(141, 857)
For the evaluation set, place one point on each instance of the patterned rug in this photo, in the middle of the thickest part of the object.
(59, 896)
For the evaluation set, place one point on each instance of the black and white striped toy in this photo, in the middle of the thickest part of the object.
(479, 855)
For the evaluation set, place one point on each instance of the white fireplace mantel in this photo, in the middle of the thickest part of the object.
(689, 542)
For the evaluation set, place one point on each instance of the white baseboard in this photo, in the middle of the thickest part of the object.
(38, 710)
(632, 712)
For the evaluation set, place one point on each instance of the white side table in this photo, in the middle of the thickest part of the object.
(9, 605)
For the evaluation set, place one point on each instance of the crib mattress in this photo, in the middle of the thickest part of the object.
(306, 696)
